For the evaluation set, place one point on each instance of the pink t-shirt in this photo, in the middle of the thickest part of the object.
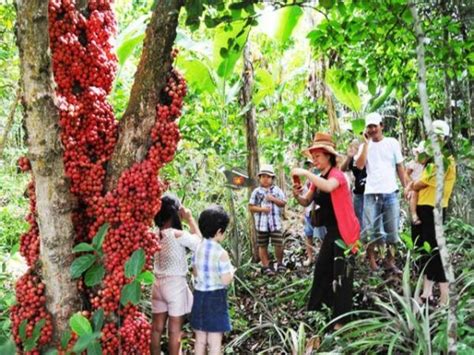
(341, 199)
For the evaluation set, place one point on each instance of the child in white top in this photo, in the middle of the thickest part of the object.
(171, 296)
(414, 170)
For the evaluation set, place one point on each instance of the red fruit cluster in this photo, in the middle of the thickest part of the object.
(29, 242)
(84, 67)
(30, 306)
(24, 164)
(135, 334)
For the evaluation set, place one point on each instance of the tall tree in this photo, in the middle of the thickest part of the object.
(438, 158)
(251, 133)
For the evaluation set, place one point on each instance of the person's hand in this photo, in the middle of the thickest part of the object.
(185, 214)
(408, 192)
(351, 151)
(266, 209)
(297, 190)
(270, 198)
(366, 137)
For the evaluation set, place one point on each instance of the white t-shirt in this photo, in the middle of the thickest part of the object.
(171, 259)
(382, 158)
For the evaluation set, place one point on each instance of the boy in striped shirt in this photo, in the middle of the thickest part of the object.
(266, 203)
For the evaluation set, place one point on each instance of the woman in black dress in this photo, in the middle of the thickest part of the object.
(333, 273)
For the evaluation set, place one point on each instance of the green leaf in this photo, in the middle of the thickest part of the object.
(82, 247)
(358, 126)
(340, 243)
(146, 278)
(51, 352)
(85, 341)
(80, 324)
(94, 349)
(37, 329)
(100, 236)
(238, 33)
(65, 339)
(130, 38)
(98, 320)
(22, 329)
(94, 275)
(29, 344)
(327, 4)
(197, 75)
(346, 93)
(289, 18)
(135, 264)
(81, 264)
(131, 293)
(427, 247)
(8, 347)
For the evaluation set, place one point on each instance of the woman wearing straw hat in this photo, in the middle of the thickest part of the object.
(333, 273)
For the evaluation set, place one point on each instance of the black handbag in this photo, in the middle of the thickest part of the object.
(315, 216)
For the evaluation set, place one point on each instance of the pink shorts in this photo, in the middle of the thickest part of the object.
(171, 295)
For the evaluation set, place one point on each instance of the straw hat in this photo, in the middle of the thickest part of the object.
(322, 141)
(266, 169)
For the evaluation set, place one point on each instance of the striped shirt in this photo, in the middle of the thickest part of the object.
(208, 266)
(267, 222)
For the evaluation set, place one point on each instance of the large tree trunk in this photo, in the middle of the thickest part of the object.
(438, 158)
(150, 79)
(54, 202)
(252, 143)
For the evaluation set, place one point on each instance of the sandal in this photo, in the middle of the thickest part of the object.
(281, 268)
(267, 270)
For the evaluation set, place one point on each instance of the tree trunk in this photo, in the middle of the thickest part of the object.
(331, 109)
(438, 158)
(150, 79)
(54, 202)
(252, 143)
(10, 119)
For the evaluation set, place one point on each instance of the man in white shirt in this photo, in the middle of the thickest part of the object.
(383, 160)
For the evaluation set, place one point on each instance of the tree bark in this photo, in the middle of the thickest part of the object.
(150, 79)
(330, 107)
(438, 158)
(54, 201)
(252, 142)
(10, 119)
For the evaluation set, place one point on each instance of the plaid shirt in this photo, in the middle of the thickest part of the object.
(209, 268)
(267, 222)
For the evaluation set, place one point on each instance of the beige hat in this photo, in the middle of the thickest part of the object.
(322, 141)
(266, 169)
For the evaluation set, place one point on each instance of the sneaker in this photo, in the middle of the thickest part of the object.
(307, 262)
(267, 270)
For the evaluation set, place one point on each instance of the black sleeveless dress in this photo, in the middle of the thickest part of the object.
(333, 271)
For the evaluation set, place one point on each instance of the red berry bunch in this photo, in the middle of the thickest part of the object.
(30, 307)
(84, 67)
(24, 164)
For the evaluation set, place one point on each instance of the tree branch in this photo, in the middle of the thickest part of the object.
(150, 79)
(10, 120)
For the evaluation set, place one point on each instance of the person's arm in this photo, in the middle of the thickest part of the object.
(361, 160)
(324, 185)
(277, 200)
(186, 215)
(345, 163)
(418, 185)
(226, 269)
(303, 199)
(401, 174)
(254, 208)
